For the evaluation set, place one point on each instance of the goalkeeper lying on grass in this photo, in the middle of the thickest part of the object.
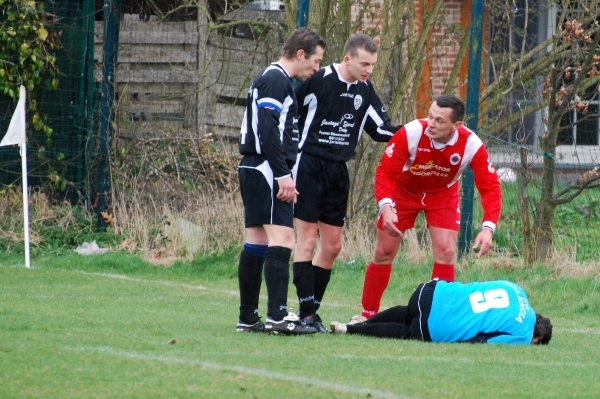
(439, 311)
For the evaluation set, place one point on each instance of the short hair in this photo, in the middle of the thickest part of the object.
(359, 40)
(451, 101)
(303, 39)
(542, 329)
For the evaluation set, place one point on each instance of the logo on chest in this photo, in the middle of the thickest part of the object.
(455, 159)
(357, 101)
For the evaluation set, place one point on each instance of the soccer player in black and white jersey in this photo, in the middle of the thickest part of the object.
(269, 145)
(336, 105)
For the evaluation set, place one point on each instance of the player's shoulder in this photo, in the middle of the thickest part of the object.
(415, 127)
(273, 74)
(466, 134)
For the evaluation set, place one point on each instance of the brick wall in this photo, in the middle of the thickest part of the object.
(443, 44)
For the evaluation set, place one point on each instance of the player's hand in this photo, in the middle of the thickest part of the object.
(389, 221)
(483, 241)
(287, 190)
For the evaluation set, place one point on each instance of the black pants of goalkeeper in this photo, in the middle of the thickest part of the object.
(401, 322)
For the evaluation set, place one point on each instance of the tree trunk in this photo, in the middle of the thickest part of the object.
(543, 229)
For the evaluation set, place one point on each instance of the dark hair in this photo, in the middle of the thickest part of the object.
(542, 329)
(451, 101)
(303, 39)
(359, 40)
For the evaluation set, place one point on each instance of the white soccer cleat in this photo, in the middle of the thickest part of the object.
(338, 328)
(357, 319)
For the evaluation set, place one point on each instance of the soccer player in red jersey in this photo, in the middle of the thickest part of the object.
(420, 171)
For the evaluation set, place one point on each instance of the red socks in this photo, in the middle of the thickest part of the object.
(443, 272)
(377, 278)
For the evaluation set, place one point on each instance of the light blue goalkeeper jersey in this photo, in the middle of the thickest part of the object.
(461, 311)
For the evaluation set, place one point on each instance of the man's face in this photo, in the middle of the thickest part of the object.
(310, 65)
(361, 65)
(439, 124)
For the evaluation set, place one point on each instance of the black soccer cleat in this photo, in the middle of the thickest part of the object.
(259, 326)
(315, 321)
(290, 325)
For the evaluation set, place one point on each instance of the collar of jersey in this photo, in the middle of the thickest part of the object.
(278, 65)
(335, 66)
(441, 146)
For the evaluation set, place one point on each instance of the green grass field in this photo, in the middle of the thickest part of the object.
(111, 326)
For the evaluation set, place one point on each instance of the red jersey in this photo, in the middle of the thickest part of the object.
(415, 162)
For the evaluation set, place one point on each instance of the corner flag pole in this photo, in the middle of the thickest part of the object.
(25, 203)
(16, 135)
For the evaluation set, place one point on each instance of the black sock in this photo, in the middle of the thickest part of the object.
(250, 278)
(304, 280)
(322, 277)
(277, 277)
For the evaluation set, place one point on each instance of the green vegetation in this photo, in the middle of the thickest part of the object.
(113, 326)
(27, 53)
(577, 224)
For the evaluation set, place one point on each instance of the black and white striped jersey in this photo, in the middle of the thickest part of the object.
(333, 114)
(270, 125)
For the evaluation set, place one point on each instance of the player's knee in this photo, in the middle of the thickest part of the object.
(334, 249)
(446, 253)
(383, 255)
(306, 245)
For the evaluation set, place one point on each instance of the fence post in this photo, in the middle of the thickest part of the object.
(302, 16)
(112, 19)
(471, 118)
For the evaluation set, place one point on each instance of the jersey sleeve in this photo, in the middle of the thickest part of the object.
(392, 162)
(510, 339)
(488, 185)
(499, 338)
(378, 124)
(271, 101)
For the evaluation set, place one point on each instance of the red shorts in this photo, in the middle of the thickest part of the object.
(442, 208)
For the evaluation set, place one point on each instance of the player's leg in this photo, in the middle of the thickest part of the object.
(250, 270)
(329, 248)
(332, 215)
(379, 271)
(443, 218)
(277, 276)
(395, 314)
(309, 183)
(304, 278)
(256, 192)
(444, 250)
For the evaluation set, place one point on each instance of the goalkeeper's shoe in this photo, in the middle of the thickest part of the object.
(290, 325)
(259, 326)
(338, 328)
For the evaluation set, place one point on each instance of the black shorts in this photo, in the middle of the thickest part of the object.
(259, 193)
(323, 187)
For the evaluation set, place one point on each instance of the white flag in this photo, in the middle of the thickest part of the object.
(16, 128)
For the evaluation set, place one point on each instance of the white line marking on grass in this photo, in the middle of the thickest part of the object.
(323, 384)
(496, 360)
(159, 282)
(172, 284)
